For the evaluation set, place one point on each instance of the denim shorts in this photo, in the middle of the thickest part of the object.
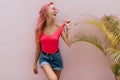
(54, 60)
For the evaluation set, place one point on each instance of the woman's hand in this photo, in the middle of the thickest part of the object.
(35, 69)
(67, 24)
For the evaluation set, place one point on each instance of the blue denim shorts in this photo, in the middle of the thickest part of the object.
(54, 60)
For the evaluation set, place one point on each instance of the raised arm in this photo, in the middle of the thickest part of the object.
(66, 34)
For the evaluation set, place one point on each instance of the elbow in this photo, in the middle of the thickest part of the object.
(69, 44)
(73, 41)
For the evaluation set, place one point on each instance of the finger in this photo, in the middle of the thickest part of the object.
(68, 21)
(36, 71)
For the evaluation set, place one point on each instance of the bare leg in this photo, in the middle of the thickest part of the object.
(58, 74)
(49, 72)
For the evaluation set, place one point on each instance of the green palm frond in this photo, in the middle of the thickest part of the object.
(109, 25)
(115, 69)
(113, 37)
(91, 40)
(114, 26)
(111, 22)
(115, 54)
(98, 24)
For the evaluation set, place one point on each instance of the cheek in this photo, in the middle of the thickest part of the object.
(49, 12)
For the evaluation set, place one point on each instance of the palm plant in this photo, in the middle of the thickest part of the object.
(109, 25)
(92, 40)
(112, 34)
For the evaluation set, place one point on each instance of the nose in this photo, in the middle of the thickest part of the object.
(56, 10)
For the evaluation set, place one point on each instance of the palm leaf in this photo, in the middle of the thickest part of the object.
(91, 40)
(101, 26)
(114, 26)
(115, 54)
(113, 37)
(111, 22)
(115, 69)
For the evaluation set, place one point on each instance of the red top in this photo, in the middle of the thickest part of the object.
(50, 43)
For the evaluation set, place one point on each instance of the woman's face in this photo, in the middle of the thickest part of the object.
(52, 11)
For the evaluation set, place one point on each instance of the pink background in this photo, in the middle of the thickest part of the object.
(82, 61)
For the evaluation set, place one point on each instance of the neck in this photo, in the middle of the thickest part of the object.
(50, 22)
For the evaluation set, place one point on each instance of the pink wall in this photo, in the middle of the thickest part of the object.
(82, 61)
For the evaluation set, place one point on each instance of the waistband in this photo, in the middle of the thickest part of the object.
(49, 53)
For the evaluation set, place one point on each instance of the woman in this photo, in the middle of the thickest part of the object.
(47, 35)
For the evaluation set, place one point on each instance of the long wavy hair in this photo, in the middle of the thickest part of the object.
(41, 21)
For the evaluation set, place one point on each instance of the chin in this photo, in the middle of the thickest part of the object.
(54, 17)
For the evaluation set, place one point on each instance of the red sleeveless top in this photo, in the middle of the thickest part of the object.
(50, 43)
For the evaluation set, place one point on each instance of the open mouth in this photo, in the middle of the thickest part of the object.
(54, 14)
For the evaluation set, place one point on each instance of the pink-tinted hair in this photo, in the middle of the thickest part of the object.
(41, 22)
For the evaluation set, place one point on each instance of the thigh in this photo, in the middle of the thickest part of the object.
(58, 74)
(49, 72)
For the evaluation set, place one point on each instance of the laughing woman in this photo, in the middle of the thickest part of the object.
(47, 35)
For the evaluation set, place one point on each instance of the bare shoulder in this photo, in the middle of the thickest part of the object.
(58, 24)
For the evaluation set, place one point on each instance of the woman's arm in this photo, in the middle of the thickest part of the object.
(37, 51)
(67, 37)
(66, 34)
